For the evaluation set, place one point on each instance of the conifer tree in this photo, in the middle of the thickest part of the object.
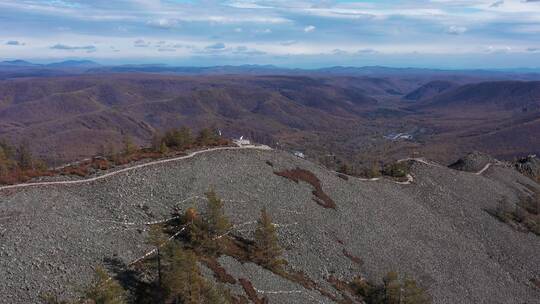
(206, 232)
(182, 278)
(392, 288)
(206, 136)
(157, 238)
(104, 289)
(267, 250)
(25, 156)
(4, 162)
(218, 223)
(412, 294)
(129, 146)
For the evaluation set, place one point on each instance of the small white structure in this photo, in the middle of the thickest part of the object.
(299, 154)
(241, 141)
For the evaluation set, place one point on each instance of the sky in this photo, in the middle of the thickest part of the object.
(289, 33)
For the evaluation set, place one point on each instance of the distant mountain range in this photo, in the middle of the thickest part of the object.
(21, 68)
(83, 64)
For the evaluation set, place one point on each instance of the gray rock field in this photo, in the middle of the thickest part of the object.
(435, 230)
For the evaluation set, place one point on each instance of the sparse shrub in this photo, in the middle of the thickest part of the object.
(104, 289)
(49, 298)
(504, 210)
(362, 287)
(345, 169)
(523, 216)
(373, 171)
(397, 169)
(393, 291)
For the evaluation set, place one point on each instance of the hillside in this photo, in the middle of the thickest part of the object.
(429, 90)
(71, 117)
(74, 117)
(435, 230)
(514, 96)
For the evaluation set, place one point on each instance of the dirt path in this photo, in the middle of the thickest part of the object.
(410, 178)
(104, 176)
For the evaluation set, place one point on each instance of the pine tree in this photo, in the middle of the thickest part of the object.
(182, 279)
(157, 239)
(129, 146)
(104, 289)
(206, 232)
(25, 157)
(267, 250)
(4, 162)
(163, 149)
(218, 223)
(207, 136)
(392, 288)
(412, 294)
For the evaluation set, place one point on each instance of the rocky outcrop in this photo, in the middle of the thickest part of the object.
(435, 229)
(529, 166)
(472, 162)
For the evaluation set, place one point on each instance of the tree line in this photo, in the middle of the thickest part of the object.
(17, 164)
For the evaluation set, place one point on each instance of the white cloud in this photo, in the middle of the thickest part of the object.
(163, 23)
(456, 30)
(309, 28)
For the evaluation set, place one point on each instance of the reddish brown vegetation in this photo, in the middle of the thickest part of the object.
(298, 175)
(239, 300)
(352, 257)
(345, 289)
(20, 176)
(88, 167)
(219, 272)
(252, 293)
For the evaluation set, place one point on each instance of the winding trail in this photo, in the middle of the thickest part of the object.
(157, 162)
(410, 178)
(487, 166)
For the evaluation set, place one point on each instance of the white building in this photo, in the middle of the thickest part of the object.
(241, 141)
(299, 154)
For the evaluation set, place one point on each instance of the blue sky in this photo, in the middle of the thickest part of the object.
(292, 33)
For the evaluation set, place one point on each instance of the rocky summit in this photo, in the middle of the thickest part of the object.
(435, 228)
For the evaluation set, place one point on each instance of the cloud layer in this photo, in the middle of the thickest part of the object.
(296, 32)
